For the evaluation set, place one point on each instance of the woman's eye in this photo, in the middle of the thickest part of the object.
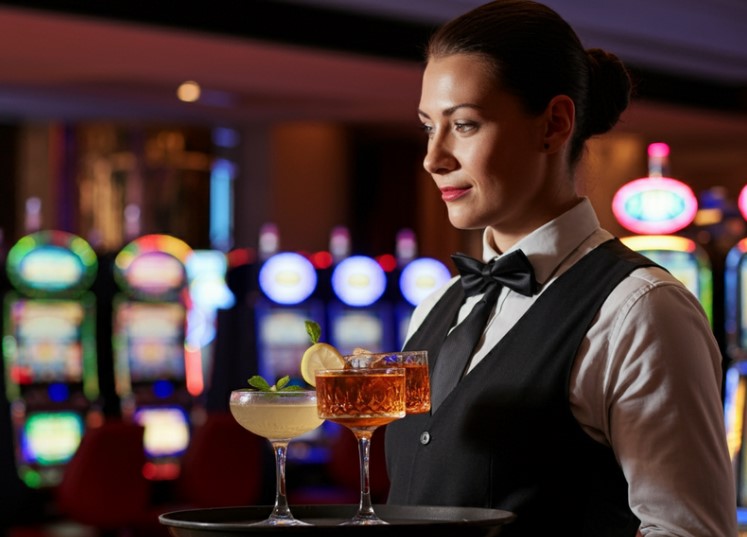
(463, 126)
(427, 129)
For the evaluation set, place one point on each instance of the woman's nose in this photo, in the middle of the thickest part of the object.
(438, 158)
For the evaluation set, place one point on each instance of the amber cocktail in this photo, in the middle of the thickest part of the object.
(415, 363)
(362, 399)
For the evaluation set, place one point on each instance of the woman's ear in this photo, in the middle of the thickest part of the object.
(559, 117)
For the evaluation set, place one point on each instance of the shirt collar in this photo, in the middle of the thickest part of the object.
(548, 245)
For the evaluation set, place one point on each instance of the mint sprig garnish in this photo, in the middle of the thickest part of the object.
(258, 382)
(314, 331)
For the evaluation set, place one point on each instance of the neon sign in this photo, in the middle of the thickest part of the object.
(655, 204)
(742, 202)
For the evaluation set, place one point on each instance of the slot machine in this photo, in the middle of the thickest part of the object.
(735, 385)
(656, 207)
(358, 309)
(157, 377)
(287, 283)
(735, 381)
(49, 352)
(359, 314)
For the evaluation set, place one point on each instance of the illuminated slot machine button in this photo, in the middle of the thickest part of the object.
(58, 392)
(287, 278)
(359, 281)
(421, 277)
(163, 389)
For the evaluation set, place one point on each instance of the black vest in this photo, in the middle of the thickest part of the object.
(505, 437)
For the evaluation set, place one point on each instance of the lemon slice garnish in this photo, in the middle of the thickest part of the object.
(320, 356)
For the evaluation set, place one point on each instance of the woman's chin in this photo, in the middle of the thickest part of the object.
(461, 220)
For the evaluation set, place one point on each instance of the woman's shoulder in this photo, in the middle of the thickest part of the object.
(655, 290)
(655, 276)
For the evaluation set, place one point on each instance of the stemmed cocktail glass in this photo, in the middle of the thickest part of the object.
(362, 399)
(278, 416)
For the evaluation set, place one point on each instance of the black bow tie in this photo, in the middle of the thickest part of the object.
(512, 270)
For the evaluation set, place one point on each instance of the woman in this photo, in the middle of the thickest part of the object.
(591, 403)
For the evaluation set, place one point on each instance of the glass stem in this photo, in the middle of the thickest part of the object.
(365, 508)
(281, 509)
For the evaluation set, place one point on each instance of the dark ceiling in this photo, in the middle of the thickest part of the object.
(353, 60)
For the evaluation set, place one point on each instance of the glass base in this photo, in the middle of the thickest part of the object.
(369, 520)
(280, 521)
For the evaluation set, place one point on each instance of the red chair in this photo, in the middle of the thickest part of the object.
(222, 465)
(103, 484)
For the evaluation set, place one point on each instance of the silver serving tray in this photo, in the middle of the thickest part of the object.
(403, 520)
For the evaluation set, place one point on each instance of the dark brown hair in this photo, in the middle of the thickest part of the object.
(536, 56)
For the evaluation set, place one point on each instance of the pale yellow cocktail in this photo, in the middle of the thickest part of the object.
(278, 416)
(282, 418)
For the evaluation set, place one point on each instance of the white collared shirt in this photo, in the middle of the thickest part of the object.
(646, 381)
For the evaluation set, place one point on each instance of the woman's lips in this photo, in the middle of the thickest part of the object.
(451, 194)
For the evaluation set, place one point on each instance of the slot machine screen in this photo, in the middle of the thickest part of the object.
(153, 336)
(284, 339)
(155, 273)
(51, 269)
(357, 329)
(166, 430)
(51, 438)
(48, 340)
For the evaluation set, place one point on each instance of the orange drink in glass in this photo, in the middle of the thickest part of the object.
(362, 399)
(415, 363)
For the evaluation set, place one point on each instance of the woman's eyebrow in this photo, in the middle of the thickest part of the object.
(449, 111)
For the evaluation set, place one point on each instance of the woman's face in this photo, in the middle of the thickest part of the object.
(484, 151)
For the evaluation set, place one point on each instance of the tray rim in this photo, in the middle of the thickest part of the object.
(491, 516)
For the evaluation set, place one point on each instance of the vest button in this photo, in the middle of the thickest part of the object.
(425, 438)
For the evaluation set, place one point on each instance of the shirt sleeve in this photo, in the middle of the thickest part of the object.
(661, 411)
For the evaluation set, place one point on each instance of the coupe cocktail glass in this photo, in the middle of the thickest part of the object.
(362, 399)
(418, 394)
(278, 416)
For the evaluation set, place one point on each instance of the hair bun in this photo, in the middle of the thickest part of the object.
(609, 90)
